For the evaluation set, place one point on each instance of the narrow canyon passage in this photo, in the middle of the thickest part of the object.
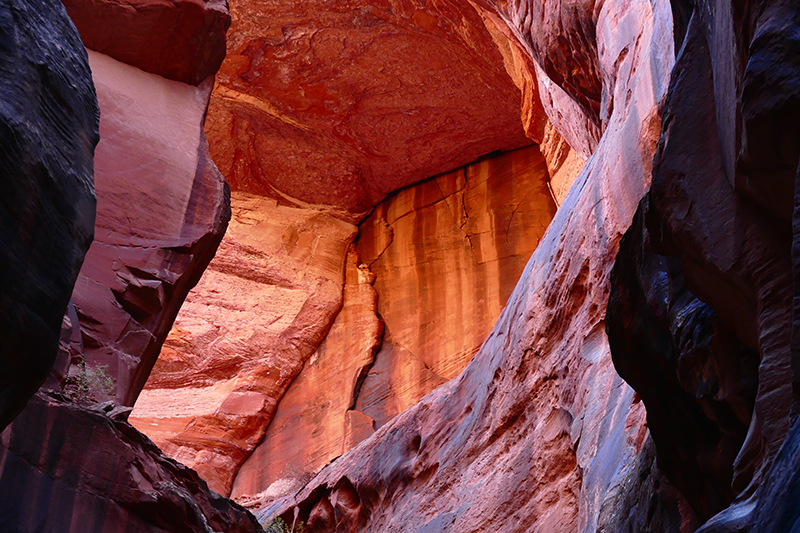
(399, 266)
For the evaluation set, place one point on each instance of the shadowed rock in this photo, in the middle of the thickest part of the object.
(48, 131)
(89, 472)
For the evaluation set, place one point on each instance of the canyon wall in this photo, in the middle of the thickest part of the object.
(350, 115)
(69, 463)
(340, 103)
(539, 433)
(433, 265)
(701, 318)
(372, 352)
(262, 308)
(48, 132)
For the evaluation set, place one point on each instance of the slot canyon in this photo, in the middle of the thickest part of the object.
(413, 266)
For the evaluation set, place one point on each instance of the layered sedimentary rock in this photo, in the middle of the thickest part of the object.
(162, 210)
(317, 409)
(118, 481)
(538, 433)
(48, 132)
(473, 227)
(444, 254)
(718, 370)
(262, 308)
(340, 103)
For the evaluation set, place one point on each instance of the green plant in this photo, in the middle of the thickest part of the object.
(88, 383)
(279, 525)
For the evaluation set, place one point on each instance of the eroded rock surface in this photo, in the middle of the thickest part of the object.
(340, 103)
(538, 431)
(180, 40)
(88, 472)
(261, 309)
(317, 409)
(446, 255)
(162, 210)
(717, 219)
(48, 132)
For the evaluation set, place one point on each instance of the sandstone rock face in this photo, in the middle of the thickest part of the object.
(93, 473)
(317, 409)
(262, 308)
(695, 376)
(339, 103)
(538, 433)
(446, 254)
(182, 40)
(718, 222)
(162, 210)
(48, 132)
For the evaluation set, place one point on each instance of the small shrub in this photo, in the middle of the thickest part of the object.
(279, 525)
(84, 386)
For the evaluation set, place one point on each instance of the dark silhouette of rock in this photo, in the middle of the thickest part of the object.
(698, 381)
(71, 469)
(703, 284)
(48, 131)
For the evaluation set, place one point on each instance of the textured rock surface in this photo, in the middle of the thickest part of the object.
(162, 210)
(539, 430)
(48, 131)
(180, 40)
(696, 378)
(317, 409)
(446, 254)
(722, 218)
(340, 103)
(87, 472)
(261, 309)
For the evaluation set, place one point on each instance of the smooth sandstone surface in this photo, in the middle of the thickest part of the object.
(315, 421)
(162, 210)
(538, 433)
(720, 377)
(259, 312)
(340, 103)
(446, 255)
(48, 133)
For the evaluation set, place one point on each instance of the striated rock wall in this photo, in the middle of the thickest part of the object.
(719, 371)
(315, 421)
(539, 433)
(162, 210)
(162, 207)
(262, 308)
(48, 132)
(444, 255)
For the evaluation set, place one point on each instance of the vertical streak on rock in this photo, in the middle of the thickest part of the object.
(495, 449)
(317, 407)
